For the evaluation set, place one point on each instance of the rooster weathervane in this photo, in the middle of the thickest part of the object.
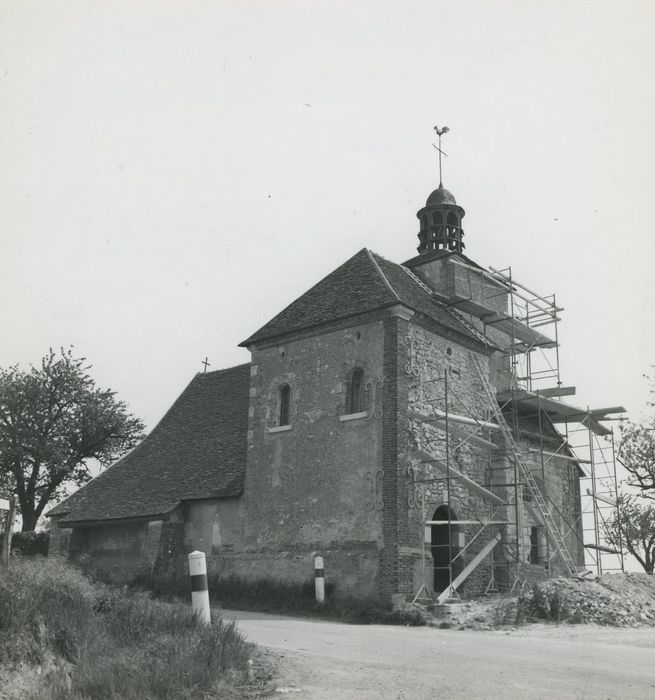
(440, 131)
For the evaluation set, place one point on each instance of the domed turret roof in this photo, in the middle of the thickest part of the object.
(440, 196)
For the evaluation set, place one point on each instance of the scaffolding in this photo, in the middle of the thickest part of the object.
(525, 400)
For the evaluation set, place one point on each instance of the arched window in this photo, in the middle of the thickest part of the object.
(285, 403)
(452, 219)
(356, 392)
(436, 218)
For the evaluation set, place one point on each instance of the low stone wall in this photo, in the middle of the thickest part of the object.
(116, 552)
(351, 570)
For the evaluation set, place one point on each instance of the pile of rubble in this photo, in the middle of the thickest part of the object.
(619, 600)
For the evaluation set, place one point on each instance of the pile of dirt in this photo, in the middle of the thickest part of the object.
(620, 600)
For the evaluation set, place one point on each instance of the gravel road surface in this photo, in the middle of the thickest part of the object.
(330, 660)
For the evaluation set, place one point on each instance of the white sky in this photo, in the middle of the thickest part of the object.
(175, 173)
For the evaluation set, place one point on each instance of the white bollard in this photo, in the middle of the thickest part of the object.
(319, 579)
(199, 592)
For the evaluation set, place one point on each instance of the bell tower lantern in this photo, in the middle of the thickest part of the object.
(440, 220)
(441, 223)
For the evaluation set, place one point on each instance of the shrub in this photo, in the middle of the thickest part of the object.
(505, 612)
(545, 602)
(30, 543)
(40, 603)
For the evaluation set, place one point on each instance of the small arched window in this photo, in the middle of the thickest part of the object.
(356, 392)
(437, 218)
(285, 403)
(452, 219)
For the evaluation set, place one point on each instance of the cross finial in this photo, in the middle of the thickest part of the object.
(206, 363)
(440, 132)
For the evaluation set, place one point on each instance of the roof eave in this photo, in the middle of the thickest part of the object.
(254, 341)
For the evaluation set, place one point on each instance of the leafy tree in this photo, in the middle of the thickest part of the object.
(54, 422)
(631, 528)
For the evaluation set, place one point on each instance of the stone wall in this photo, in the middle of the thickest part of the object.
(439, 367)
(117, 551)
(316, 484)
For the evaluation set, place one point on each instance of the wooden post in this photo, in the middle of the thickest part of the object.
(6, 535)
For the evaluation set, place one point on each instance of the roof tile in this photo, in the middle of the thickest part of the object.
(363, 283)
(197, 450)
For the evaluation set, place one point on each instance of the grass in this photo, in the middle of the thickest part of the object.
(275, 596)
(101, 643)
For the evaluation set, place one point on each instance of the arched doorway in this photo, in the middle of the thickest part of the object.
(444, 545)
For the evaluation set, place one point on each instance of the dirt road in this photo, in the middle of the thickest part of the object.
(331, 660)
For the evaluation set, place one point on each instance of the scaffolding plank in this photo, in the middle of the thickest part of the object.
(604, 499)
(460, 430)
(595, 426)
(556, 391)
(558, 411)
(463, 432)
(469, 437)
(465, 480)
(559, 455)
(440, 415)
(602, 548)
(598, 412)
(501, 321)
(469, 569)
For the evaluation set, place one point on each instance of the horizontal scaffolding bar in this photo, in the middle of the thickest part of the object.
(465, 480)
(482, 523)
(513, 283)
(558, 455)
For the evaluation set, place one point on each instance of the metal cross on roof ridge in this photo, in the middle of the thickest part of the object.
(440, 132)
(206, 363)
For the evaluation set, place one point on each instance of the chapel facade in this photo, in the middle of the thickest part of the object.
(383, 422)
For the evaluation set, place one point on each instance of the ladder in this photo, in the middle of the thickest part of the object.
(542, 506)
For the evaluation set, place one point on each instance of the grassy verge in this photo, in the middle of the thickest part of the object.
(274, 596)
(92, 641)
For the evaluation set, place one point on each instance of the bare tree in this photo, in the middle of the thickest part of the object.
(637, 452)
(632, 529)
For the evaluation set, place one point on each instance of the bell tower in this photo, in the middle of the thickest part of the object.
(440, 220)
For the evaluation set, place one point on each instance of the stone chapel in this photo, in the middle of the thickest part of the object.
(385, 421)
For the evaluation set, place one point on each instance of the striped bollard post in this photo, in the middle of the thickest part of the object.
(199, 592)
(319, 579)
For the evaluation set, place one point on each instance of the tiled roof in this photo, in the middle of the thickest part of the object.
(364, 283)
(197, 450)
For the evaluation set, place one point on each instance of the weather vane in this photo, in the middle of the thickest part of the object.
(440, 132)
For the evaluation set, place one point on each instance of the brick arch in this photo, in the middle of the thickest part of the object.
(289, 378)
(349, 366)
